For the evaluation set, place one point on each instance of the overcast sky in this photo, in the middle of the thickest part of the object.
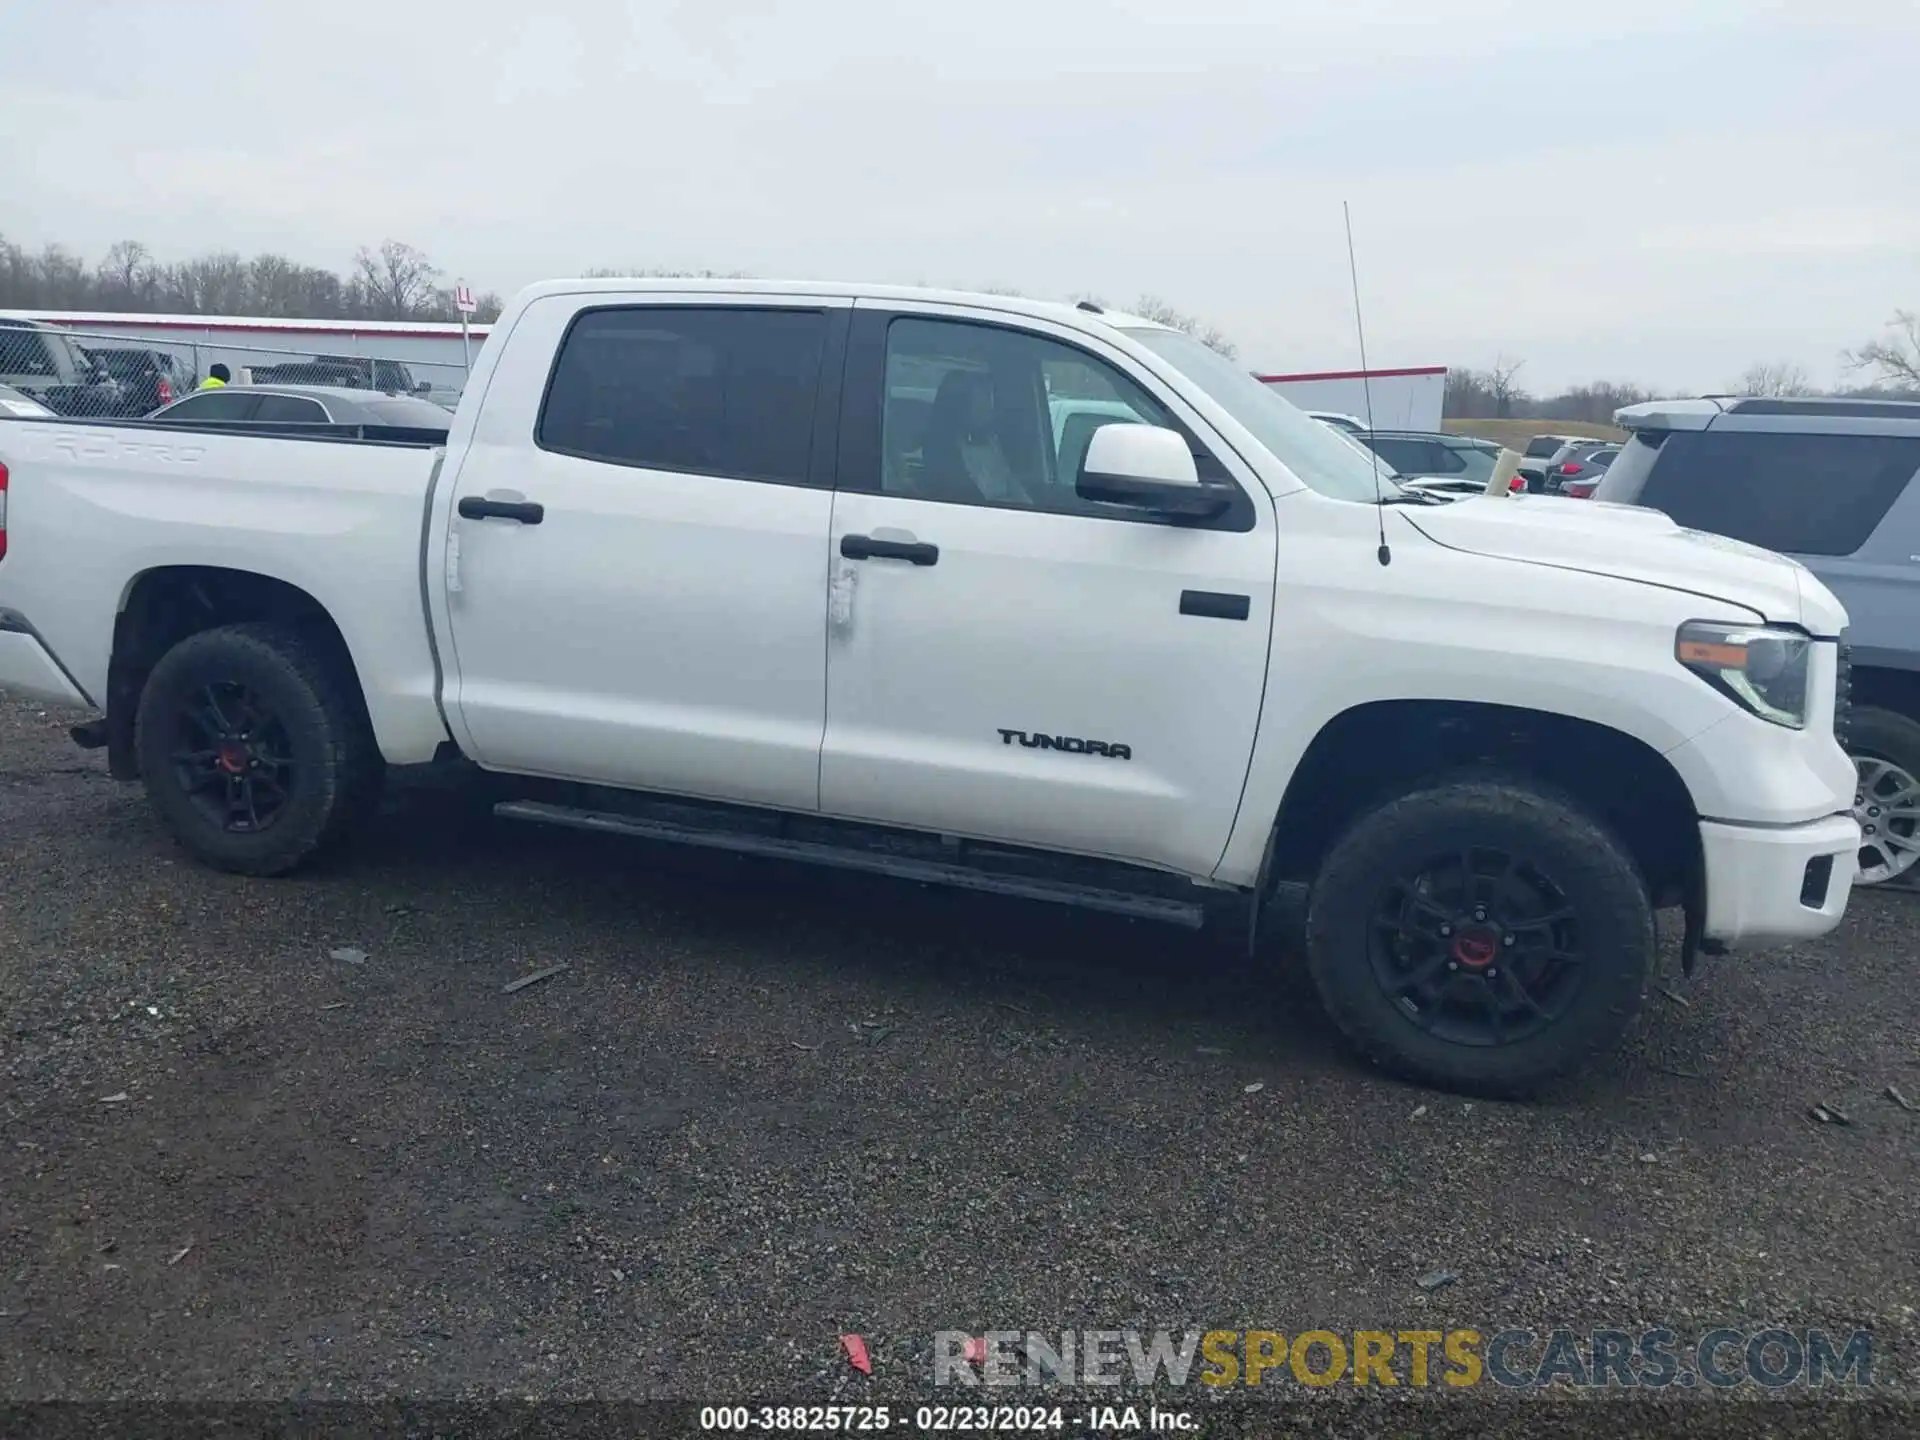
(1662, 192)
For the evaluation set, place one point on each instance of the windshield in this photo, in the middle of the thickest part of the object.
(1322, 459)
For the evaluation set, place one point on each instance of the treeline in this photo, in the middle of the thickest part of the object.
(1888, 367)
(392, 281)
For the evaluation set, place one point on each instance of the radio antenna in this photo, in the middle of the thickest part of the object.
(1366, 388)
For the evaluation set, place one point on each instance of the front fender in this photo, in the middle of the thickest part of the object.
(1442, 626)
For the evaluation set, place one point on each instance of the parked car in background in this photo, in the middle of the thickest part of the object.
(348, 372)
(1339, 420)
(1539, 453)
(148, 378)
(16, 402)
(1417, 453)
(1575, 474)
(268, 405)
(1830, 483)
(47, 365)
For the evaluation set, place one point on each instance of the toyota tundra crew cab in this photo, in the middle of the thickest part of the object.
(1029, 598)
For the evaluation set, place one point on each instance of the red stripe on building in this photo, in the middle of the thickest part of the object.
(1354, 374)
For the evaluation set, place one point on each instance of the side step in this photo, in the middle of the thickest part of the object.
(1186, 913)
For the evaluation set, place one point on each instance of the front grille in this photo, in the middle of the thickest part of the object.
(1842, 689)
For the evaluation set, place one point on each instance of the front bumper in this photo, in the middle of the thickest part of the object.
(28, 669)
(1770, 885)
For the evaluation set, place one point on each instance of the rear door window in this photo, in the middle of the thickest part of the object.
(1798, 494)
(725, 391)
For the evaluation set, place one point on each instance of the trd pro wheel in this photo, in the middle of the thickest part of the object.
(1480, 936)
(254, 749)
(1885, 746)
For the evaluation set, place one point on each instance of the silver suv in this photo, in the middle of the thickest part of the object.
(47, 365)
(1830, 483)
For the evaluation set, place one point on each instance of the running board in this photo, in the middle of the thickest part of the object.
(1186, 913)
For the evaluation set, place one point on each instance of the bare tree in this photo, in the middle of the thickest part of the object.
(211, 284)
(1503, 385)
(1152, 307)
(1895, 357)
(127, 275)
(63, 278)
(1779, 377)
(395, 282)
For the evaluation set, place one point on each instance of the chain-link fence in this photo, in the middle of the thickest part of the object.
(105, 373)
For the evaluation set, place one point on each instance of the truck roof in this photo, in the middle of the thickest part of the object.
(1076, 313)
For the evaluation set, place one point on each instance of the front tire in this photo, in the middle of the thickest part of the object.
(1481, 936)
(1885, 747)
(255, 747)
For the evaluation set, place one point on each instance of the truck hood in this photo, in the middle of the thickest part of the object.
(1632, 543)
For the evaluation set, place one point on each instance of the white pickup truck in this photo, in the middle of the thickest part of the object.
(1024, 597)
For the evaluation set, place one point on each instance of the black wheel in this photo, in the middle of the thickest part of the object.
(255, 749)
(1885, 746)
(1480, 936)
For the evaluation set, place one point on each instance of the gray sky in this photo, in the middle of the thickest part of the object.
(1657, 190)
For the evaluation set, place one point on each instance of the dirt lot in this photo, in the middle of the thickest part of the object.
(766, 1105)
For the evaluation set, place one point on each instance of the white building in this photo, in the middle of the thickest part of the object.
(1407, 399)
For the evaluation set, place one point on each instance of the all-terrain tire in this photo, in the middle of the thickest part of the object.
(336, 769)
(1876, 734)
(1603, 890)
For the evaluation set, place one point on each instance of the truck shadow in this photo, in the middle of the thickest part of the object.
(1169, 989)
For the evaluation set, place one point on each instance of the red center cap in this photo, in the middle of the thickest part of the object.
(1476, 947)
(233, 758)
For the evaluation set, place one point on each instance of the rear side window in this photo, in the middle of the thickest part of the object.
(1474, 463)
(1542, 447)
(221, 404)
(290, 408)
(722, 391)
(1799, 494)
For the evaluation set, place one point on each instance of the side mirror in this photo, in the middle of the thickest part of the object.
(1147, 467)
(424, 387)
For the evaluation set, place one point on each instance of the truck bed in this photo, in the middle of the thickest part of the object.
(94, 506)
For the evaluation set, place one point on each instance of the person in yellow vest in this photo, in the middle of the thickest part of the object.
(217, 376)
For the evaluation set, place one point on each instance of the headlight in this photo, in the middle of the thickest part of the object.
(1763, 669)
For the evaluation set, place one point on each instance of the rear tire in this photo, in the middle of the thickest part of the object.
(1885, 748)
(255, 748)
(1481, 936)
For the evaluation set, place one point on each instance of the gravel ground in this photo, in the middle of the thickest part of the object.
(764, 1106)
